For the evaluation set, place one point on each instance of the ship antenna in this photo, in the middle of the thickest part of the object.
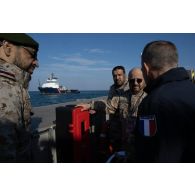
(39, 83)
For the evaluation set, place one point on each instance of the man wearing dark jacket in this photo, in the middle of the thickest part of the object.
(165, 129)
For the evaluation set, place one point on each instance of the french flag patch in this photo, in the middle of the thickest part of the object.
(147, 125)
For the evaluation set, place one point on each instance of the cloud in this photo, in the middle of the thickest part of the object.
(99, 69)
(75, 64)
(96, 51)
(80, 61)
(85, 61)
(77, 59)
(62, 67)
(57, 58)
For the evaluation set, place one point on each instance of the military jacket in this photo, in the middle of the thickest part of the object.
(130, 125)
(116, 106)
(15, 109)
(117, 101)
(134, 103)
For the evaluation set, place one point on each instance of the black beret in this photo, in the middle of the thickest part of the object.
(20, 39)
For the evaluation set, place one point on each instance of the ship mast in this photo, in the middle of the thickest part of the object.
(39, 83)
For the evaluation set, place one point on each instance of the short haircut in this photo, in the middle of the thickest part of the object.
(160, 54)
(135, 68)
(118, 67)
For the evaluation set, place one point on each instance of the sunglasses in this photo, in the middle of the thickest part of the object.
(31, 52)
(135, 80)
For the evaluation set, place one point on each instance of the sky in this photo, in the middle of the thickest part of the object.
(84, 61)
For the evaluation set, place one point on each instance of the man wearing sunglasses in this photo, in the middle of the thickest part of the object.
(136, 85)
(165, 131)
(18, 59)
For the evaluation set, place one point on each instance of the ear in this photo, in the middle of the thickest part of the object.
(146, 68)
(7, 47)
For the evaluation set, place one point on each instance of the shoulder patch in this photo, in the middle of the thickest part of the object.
(7, 75)
(147, 125)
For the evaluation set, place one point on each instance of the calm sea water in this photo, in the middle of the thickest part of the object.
(38, 99)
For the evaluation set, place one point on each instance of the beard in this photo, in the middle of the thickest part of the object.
(27, 78)
(20, 62)
(118, 83)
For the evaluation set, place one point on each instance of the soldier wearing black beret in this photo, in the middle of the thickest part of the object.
(20, 39)
(18, 59)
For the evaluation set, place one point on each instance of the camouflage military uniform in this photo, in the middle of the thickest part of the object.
(15, 109)
(117, 101)
(116, 106)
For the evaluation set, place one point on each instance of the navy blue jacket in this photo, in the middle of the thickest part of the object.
(171, 103)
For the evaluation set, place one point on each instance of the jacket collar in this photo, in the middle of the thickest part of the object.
(175, 74)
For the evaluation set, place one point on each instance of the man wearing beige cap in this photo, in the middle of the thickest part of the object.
(18, 59)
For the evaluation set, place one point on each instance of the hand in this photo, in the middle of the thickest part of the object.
(92, 111)
(84, 106)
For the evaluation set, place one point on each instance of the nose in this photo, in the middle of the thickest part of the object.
(35, 63)
(117, 77)
(136, 82)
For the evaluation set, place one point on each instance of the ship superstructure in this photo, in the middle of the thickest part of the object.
(52, 86)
